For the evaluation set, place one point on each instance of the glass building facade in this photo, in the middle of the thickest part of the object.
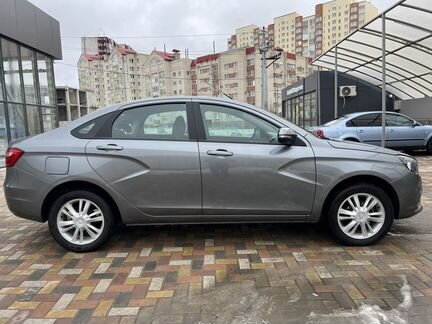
(302, 110)
(27, 92)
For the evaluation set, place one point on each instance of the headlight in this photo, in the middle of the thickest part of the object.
(410, 163)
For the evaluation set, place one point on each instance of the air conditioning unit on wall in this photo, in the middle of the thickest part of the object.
(347, 91)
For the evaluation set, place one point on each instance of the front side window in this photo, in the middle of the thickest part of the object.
(158, 122)
(369, 120)
(223, 124)
(398, 120)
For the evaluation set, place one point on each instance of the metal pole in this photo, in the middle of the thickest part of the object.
(336, 84)
(383, 86)
(264, 89)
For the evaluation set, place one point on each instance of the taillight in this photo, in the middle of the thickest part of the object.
(320, 133)
(12, 156)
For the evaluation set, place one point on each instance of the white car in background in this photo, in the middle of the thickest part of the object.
(403, 133)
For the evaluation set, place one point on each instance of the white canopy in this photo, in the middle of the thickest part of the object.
(408, 44)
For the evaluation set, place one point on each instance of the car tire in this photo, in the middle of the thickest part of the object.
(81, 221)
(429, 147)
(350, 220)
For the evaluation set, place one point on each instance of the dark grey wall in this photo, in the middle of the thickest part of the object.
(22, 21)
(368, 96)
(419, 109)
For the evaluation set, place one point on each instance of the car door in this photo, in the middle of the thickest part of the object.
(150, 157)
(246, 172)
(369, 128)
(403, 132)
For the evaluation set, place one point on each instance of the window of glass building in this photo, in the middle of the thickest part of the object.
(11, 71)
(3, 131)
(49, 118)
(46, 79)
(302, 110)
(16, 121)
(25, 108)
(29, 75)
(34, 120)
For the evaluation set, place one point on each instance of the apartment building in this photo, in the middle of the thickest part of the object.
(312, 35)
(165, 75)
(123, 75)
(237, 73)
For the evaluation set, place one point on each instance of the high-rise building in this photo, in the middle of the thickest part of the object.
(309, 36)
(101, 45)
(122, 75)
(237, 74)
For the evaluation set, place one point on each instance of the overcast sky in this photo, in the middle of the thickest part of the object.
(131, 21)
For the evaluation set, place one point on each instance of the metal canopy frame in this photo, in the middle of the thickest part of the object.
(408, 50)
(392, 51)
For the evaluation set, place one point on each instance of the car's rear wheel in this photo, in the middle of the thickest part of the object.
(361, 214)
(81, 221)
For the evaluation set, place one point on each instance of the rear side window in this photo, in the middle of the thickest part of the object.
(158, 122)
(90, 129)
(369, 120)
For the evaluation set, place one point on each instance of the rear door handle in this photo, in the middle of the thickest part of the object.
(220, 152)
(361, 131)
(109, 147)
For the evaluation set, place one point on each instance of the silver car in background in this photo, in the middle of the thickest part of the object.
(203, 160)
(403, 132)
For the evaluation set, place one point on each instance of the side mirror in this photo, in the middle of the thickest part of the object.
(286, 136)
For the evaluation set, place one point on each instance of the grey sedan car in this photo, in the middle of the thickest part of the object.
(203, 160)
(403, 132)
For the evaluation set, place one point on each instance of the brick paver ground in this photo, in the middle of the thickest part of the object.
(218, 274)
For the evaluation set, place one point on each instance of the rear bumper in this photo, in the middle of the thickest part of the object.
(24, 194)
(409, 190)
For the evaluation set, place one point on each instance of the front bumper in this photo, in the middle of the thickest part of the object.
(409, 191)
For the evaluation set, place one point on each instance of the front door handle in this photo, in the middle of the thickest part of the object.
(361, 131)
(220, 152)
(109, 147)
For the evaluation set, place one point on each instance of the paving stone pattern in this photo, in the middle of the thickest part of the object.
(213, 274)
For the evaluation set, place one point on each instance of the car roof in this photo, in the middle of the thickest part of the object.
(207, 99)
(369, 112)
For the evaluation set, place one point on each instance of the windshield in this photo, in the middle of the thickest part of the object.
(336, 121)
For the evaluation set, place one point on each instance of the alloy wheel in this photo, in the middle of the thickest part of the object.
(80, 221)
(361, 216)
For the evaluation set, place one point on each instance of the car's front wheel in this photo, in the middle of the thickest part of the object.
(81, 221)
(361, 214)
(429, 147)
